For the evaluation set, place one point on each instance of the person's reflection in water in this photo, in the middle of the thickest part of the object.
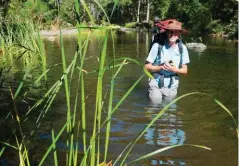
(165, 132)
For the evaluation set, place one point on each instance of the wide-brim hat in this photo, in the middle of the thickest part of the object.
(171, 24)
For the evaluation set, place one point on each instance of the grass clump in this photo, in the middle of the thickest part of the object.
(20, 50)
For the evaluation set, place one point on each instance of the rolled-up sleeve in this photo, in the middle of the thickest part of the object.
(153, 53)
(185, 56)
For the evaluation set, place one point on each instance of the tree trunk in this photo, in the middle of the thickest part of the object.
(138, 11)
(148, 5)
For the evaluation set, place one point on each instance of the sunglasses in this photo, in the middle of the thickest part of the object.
(174, 32)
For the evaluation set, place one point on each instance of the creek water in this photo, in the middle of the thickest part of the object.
(195, 119)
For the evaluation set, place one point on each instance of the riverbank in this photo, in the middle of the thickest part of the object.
(71, 31)
(48, 33)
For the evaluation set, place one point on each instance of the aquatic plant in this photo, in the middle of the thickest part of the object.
(20, 50)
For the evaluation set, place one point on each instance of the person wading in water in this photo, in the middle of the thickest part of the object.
(166, 61)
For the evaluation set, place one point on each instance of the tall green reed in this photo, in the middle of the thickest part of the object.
(18, 44)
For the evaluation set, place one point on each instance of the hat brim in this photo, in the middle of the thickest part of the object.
(181, 30)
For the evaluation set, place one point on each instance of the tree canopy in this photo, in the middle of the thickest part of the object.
(199, 16)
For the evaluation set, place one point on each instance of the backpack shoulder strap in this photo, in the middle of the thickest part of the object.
(159, 50)
(158, 57)
(180, 47)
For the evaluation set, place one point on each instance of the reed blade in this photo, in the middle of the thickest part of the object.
(164, 149)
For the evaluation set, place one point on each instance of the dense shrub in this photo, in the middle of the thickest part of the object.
(232, 28)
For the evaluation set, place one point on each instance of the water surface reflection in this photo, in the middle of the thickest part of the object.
(166, 131)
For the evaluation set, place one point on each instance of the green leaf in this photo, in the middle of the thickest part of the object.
(166, 148)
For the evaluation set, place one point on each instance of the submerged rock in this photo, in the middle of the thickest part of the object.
(198, 47)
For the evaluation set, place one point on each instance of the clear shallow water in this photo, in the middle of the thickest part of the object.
(192, 120)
